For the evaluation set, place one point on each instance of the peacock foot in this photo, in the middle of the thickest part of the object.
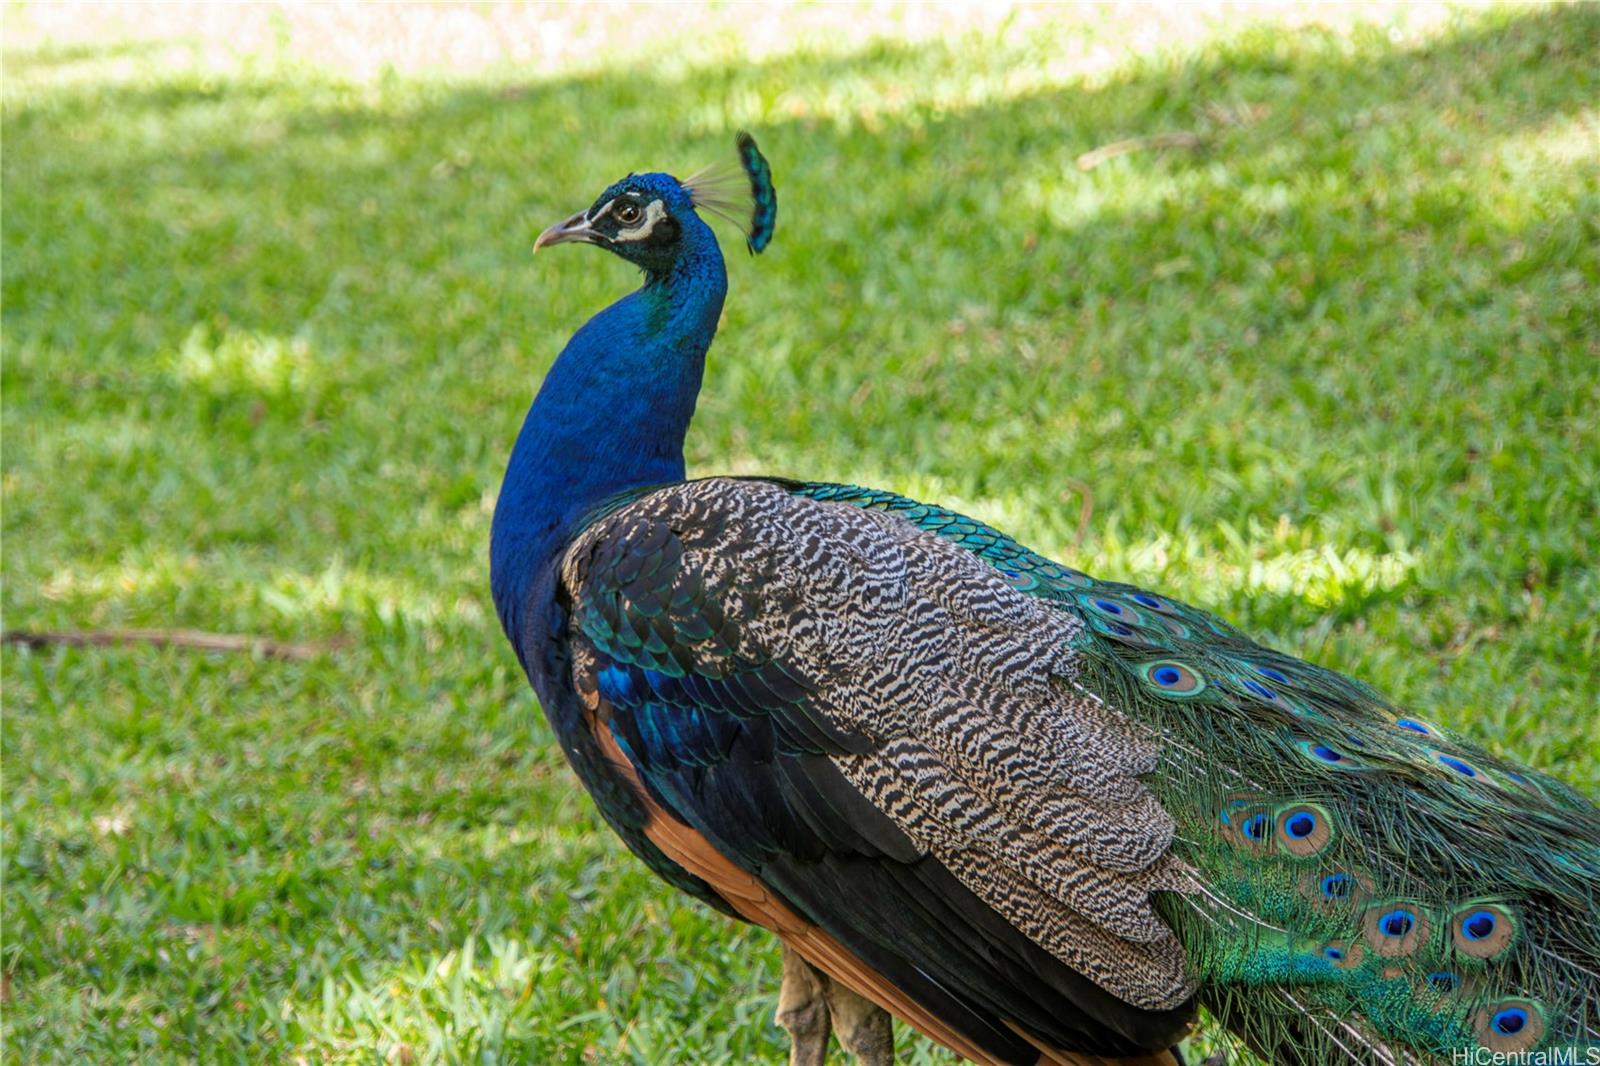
(811, 1005)
(803, 1010)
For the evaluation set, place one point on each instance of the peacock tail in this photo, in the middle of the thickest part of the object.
(1365, 884)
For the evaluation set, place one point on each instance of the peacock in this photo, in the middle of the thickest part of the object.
(1038, 816)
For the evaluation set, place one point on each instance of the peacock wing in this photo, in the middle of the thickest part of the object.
(893, 742)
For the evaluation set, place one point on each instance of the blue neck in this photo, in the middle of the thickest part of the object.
(611, 416)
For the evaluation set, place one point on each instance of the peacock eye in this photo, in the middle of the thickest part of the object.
(628, 214)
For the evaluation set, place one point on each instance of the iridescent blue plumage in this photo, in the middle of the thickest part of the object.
(614, 408)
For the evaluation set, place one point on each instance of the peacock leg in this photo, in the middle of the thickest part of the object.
(864, 1029)
(803, 1010)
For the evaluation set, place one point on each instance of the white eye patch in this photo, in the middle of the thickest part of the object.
(654, 212)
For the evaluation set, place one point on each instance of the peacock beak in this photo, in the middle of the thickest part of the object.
(575, 228)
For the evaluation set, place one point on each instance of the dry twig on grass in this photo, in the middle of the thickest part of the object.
(171, 638)
(1170, 139)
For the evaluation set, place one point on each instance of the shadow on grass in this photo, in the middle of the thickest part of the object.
(288, 193)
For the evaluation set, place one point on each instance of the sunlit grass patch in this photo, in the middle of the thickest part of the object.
(243, 362)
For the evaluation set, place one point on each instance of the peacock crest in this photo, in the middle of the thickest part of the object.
(740, 193)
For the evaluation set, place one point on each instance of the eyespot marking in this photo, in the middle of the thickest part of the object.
(1509, 1026)
(1483, 929)
(1304, 829)
(1396, 928)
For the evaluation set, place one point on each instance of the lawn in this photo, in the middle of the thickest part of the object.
(1331, 369)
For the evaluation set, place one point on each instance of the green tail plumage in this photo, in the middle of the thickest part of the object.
(1366, 885)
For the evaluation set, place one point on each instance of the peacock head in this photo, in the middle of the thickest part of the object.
(652, 220)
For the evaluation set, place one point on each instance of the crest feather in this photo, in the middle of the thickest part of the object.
(741, 193)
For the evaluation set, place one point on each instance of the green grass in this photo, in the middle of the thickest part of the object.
(269, 331)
